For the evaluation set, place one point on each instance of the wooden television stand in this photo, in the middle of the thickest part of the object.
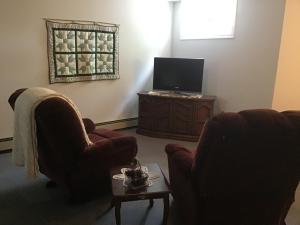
(173, 115)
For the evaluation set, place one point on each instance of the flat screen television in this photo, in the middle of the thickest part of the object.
(178, 74)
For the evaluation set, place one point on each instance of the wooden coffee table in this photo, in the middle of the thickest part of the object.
(159, 189)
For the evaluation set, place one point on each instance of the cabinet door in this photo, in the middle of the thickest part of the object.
(182, 116)
(154, 113)
(189, 116)
(202, 112)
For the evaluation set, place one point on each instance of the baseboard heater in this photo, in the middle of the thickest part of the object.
(6, 143)
(119, 124)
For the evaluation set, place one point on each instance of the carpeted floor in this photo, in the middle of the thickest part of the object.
(28, 202)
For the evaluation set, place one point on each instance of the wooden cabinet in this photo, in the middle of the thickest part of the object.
(172, 115)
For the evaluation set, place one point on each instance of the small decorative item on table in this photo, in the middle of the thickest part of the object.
(136, 176)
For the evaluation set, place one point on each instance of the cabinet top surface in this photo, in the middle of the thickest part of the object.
(168, 94)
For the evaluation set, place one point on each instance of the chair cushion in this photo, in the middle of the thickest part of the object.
(95, 137)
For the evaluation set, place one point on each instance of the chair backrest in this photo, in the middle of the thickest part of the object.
(245, 168)
(294, 117)
(59, 134)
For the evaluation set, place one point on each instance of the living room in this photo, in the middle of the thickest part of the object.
(255, 69)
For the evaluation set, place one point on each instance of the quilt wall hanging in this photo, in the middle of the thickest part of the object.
(82, 51)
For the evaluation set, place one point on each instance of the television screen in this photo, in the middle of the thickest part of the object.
(178, 74)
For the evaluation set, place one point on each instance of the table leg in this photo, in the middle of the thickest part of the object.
(117, 211)
(166, 209)
(151, 203)
(112, 203)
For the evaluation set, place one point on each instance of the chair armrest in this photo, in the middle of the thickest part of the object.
(129, 141)
(109, 152)
(180, 157)
(89, 125)
(180, 162)
(97, 155)
(124, 149)
(98, 149)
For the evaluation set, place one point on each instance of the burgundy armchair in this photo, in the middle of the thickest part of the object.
(65, 158)
(244, 171)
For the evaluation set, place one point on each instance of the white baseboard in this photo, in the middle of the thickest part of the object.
(118, 124)
(6, 143)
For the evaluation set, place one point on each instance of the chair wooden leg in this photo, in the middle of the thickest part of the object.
(117, 212)
(151, 203)
(166, 209)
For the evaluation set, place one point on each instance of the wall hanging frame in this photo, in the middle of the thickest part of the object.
(82, 50)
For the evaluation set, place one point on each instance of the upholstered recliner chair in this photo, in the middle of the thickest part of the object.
(244, 171)
(63, 155)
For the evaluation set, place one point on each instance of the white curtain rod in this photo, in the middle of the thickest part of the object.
(80, 21)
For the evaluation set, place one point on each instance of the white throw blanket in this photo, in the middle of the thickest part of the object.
(25, 141)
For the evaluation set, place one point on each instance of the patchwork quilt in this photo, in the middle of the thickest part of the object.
(80, 52)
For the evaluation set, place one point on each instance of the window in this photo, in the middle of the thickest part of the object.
(207, 19)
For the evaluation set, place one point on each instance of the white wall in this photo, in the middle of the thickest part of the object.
(240, 71)
(145, 28)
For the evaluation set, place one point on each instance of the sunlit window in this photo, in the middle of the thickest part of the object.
(207, 19)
